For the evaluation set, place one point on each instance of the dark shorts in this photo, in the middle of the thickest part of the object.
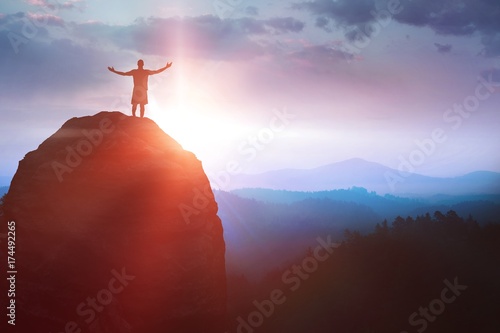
(139, 96)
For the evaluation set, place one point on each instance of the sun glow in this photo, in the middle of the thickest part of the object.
(195, 121)
(187, 124)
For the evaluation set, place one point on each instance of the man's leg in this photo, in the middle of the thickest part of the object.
(142, 110)
(134, 107)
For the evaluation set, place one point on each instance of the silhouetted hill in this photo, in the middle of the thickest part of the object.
(369, 175)
(116, 231)
(485, 208)
(265, 228)
(260, 235)
(455, 199)
(484, 212)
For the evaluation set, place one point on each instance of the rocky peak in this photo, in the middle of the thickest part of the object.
(117, 231)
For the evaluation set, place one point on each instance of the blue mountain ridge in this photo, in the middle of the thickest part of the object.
(372, 176)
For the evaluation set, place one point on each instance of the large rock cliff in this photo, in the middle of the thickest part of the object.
(116, 231)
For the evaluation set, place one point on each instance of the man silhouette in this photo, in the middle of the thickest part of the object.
(140, 92)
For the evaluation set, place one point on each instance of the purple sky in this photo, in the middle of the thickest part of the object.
(268, 84)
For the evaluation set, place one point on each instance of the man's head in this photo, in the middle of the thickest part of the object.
(140, 63)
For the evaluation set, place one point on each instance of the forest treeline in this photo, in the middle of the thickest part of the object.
(258, 229)
(429, 273)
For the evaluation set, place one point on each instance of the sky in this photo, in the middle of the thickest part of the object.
(264, 85)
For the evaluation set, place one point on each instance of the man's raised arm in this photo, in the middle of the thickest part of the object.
(112, 69)
(161, 69)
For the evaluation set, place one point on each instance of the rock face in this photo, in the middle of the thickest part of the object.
(116, 231)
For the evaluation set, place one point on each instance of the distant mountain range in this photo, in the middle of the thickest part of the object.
(485, 208)
(372, 176)
(259, 224)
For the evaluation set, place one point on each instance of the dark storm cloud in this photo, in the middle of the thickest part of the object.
(443, 48)
(445, 17)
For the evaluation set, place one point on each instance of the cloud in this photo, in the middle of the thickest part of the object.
(319, 58)
(39, 3)
(6, 19)
(46, 5)
(206, 36)
(43, 65)
(443, 48)
(322, 22)
(491, 44)
(50, 66)
(45, 19)
(198, 37)
(492, 75)
(22, 28)
(343, 12)
(282, 25)
(445, 17)
(252, 11)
